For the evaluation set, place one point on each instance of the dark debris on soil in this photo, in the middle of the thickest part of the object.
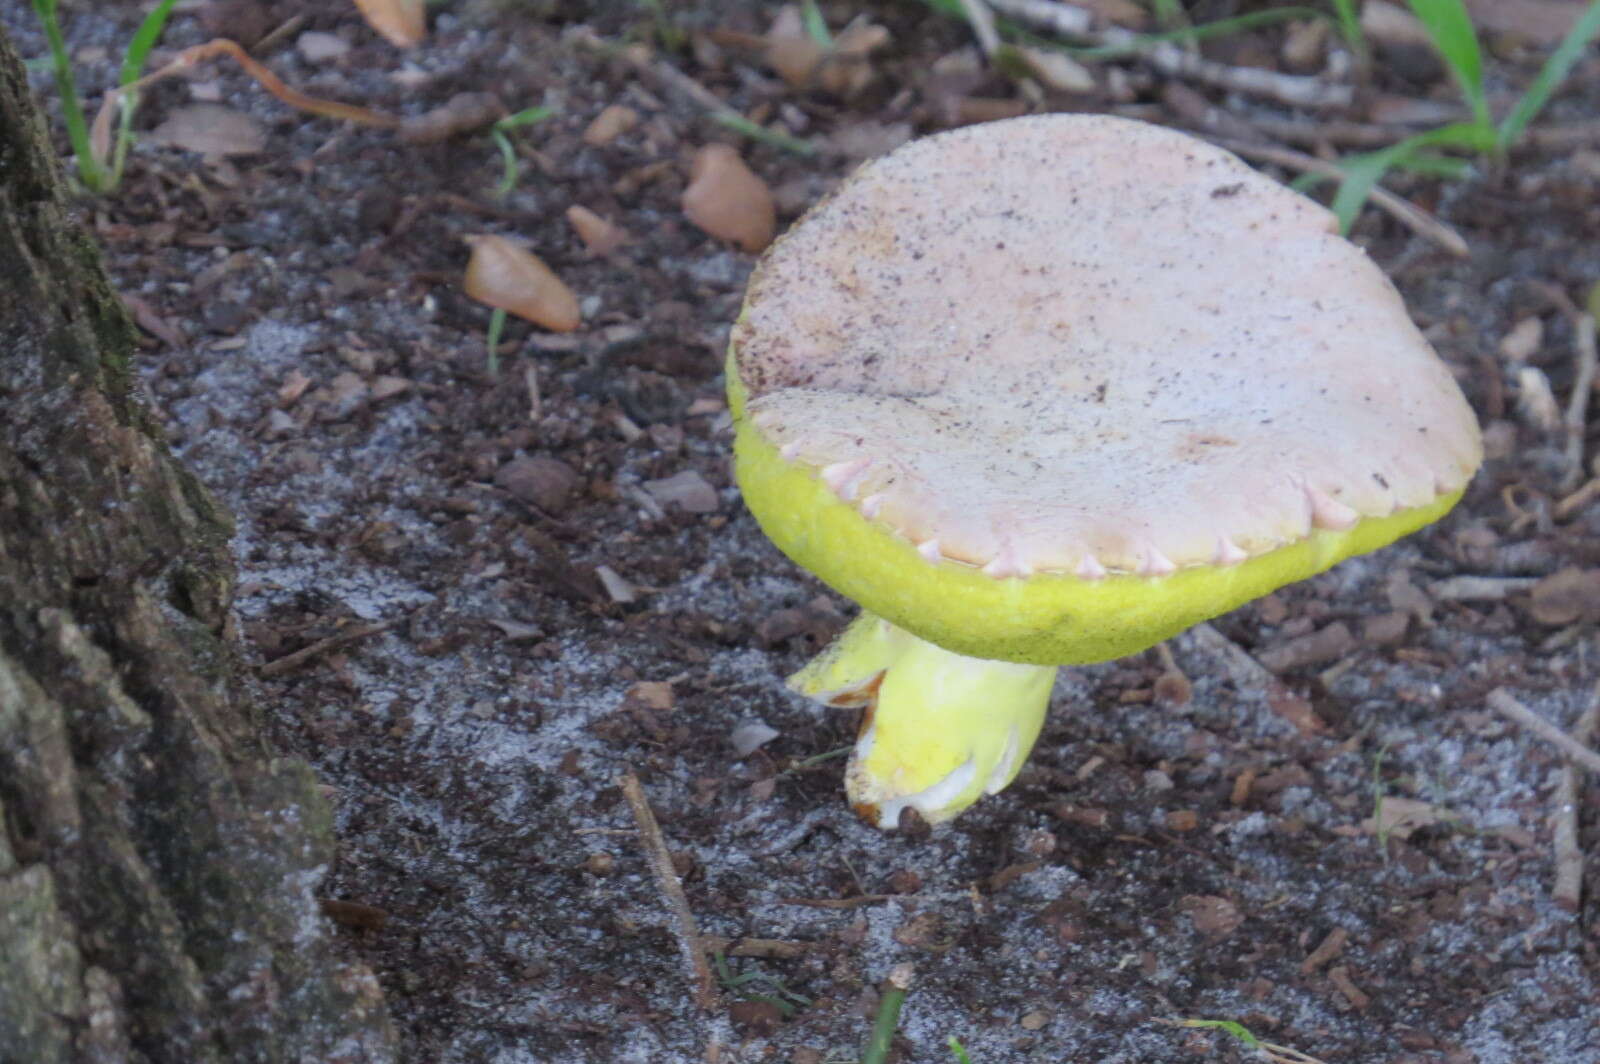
(505, 640)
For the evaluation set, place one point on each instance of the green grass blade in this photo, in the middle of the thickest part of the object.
(144, 39)
(1552, 74)
(1448, 23)
(90, 171)
(510, 170)
(133, 60)
(1362, 172)
(743, 126)
(497, 324)
(525, 117)
(1349, 23)
(1233, 1027)
(816, 26)
(883, 1028)
(959, 1050)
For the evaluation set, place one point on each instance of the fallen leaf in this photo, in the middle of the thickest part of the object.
(599, 236)
(1401, 817)
(403, 23)
(504, 274)
(726, 199)
(610, 124)
(210, 129)
(751, 736)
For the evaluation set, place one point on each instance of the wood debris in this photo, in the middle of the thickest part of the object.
(666, 876)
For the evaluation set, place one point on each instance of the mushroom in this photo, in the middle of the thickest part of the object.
(1048, 391)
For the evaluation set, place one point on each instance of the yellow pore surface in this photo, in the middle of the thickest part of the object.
(1044, 619)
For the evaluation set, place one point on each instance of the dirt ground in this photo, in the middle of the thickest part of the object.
(522, 634)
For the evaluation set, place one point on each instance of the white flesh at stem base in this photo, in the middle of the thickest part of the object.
(941, 729)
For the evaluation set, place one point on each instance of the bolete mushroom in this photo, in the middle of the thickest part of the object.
(1048, 391)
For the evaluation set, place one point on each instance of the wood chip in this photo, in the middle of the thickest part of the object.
(1566, 596)
(1330, 947)
(547, 483)
(1340, 978)
(687, 490)
(1325, 644)
(1213, 916)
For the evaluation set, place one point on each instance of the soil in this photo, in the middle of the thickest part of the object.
(516, 637)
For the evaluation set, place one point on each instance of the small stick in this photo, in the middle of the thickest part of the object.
(1404, 211)
(981, 19)
(894, 996)
(289, 662)
(655, 849)
(1502, 702)
(1068, 20)
(1578, 499)
(1568, 889)
(1578, 404)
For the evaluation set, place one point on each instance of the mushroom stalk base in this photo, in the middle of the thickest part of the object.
(940, 729)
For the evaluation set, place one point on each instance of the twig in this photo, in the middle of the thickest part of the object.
(1502, 702)
(190, 57)
(1577, 417)
(981, 19)
(1067, 20)
(1404, 211)
(839, 903)
(677, 82)
(1469, 588)
(1380, 135)
(655, 849)
(1578, 499)
(1568, 889)
(290, 662)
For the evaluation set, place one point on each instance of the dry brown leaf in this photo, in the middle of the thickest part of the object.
(610, 124)
(843, 69)
(1401, 817)
(726, 199)
(506, 275)
(403, 23)
(210, 129)
(600, 236)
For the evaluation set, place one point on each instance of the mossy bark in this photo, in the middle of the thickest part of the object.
(158, 864)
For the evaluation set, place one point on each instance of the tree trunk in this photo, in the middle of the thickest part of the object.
(158, 865)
